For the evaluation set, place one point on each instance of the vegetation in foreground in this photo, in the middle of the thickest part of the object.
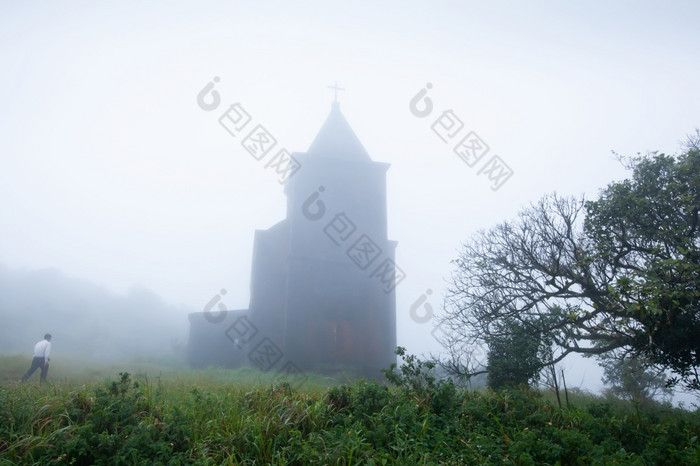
(206, 417)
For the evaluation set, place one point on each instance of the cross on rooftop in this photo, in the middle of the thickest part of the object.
(336, 89)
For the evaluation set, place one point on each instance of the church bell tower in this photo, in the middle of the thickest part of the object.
(323, 279)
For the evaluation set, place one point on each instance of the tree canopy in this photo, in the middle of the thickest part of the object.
(620, 273)
(513, 357)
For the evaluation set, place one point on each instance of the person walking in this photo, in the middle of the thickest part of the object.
(42, 350)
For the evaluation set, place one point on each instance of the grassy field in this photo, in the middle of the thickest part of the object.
(161, 413)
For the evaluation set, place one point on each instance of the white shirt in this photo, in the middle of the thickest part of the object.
(42, 350)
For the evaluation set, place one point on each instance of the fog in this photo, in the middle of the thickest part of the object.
(114, 181)
(86, 319)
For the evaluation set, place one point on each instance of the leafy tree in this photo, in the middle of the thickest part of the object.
(645, 232)
(513, 356)
(619, 273)
(632, 378)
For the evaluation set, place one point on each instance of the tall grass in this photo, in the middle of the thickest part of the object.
(154, 415)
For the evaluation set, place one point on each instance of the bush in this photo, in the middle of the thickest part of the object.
(418, 420)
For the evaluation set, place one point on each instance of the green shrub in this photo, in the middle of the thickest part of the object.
(417, 420)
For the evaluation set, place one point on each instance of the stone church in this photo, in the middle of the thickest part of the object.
(323, 279)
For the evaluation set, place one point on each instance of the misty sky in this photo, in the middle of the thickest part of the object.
(111, 172)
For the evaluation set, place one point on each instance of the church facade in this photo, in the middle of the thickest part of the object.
(323, 279)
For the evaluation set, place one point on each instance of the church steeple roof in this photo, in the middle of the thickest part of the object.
(336, 139)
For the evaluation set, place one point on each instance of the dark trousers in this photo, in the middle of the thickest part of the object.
(37, 363)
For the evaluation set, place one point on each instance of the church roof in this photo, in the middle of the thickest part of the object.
(336, 139)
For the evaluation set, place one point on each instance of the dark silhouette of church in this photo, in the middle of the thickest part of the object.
(323, 279)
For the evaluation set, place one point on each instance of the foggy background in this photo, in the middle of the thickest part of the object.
(124, 205)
